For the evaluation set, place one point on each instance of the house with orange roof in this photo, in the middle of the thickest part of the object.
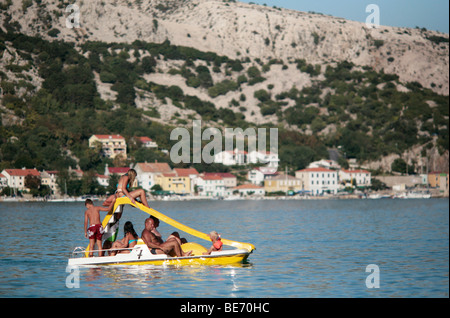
(212, 186)
(318, 180)
(147, 173)
(15, 178)
(120, 171)
(111, 145)
(180, 181)
(145, 142)
(229, 180)
(192, 173)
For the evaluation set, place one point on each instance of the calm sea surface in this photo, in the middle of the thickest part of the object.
(304, 248)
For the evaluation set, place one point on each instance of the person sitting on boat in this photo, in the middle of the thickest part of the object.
(123, 186)
(217, 243)
(129, 240)
(95, 229)
(172, 247)
(173, 236)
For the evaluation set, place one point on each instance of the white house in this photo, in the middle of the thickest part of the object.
(361, 177)
(147, 173)
(318, 180)
(146, 142)
(258, 175)
(231, 158)
(102, 179)
(250, 190)
(212, 186)
(324, 163)
(49, 178)
(15, 178)
(265, 157)
(229, 180)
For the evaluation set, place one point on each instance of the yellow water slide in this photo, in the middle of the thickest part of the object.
(124, 201)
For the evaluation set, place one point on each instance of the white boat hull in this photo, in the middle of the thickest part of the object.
(141, 255)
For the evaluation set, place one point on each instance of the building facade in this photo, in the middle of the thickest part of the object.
(147, 173)
(282, 183)
(111, 145)
(212, 186)
(245, 190)
(173, 183)
(15, 178)
(318, 181)
(258, 175)
(363, 178)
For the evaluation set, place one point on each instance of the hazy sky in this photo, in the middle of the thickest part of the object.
(431, 14)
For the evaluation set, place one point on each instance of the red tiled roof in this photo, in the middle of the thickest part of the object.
(185, 172)
(170, 174)
(144, 139)
(211, 177)
(23, 172)
(118, 170)
(154, 167)
(109, 136)
(221, 174)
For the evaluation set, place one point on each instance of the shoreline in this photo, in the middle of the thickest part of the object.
(378, 196)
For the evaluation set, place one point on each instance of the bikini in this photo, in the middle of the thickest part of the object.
(120, 189)
(131, 241)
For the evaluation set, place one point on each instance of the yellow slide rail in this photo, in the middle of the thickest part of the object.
(124, 200)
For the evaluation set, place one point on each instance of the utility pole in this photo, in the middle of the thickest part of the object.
(286, 181)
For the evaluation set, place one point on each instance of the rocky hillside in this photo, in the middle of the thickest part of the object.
(241, 30)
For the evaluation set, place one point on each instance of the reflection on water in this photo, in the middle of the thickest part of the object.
(158, 281)
(303, 249)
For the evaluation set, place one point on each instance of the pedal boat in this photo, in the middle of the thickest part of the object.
(140, 254)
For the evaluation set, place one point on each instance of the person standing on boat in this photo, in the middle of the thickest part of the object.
(123, 186)
(95, 230)
(171, 247)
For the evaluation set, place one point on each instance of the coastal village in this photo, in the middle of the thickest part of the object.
(258, 177)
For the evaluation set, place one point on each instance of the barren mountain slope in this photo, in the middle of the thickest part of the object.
(241, 30)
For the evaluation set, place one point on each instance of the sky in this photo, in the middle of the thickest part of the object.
(430, 14)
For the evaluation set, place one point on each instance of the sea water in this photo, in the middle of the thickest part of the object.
(304, 248)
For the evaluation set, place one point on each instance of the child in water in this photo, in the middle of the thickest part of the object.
(217, 243)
